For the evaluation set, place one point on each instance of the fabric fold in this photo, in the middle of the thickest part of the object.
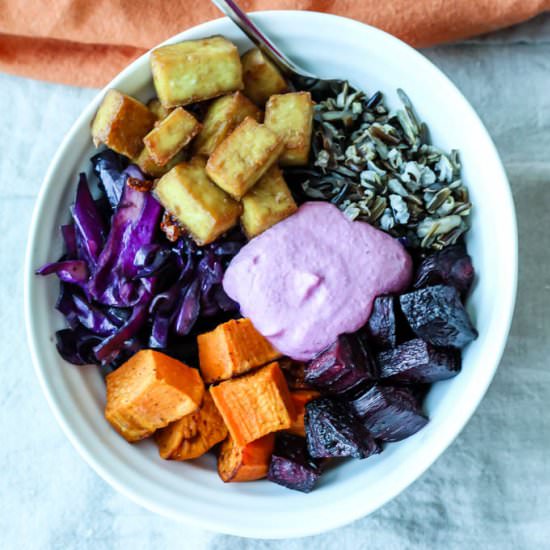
(86, 43)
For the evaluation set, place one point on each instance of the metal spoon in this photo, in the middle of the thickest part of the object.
(298, 77)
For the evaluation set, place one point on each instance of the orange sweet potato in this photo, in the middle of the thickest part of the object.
(255, 404)
(246, 463)
(148, 392)
(300, 399)
(233, 348)
(194, 434)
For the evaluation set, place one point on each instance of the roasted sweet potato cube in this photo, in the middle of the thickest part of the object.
(240, 160)
(121, 123)
(261, 78)
(300, 399)
(254, 404)
(247, 463)
(202, 207)
(222, 117)
(148, 392)
(196, 70)
(290, 116)
(231, 349)
(267, 203)
(149, 166)
(194, 434)
(170, 135)
(155, 106)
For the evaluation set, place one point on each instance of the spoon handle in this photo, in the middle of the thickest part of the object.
(239, 17)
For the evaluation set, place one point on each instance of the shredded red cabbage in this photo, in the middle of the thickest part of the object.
(123, 285)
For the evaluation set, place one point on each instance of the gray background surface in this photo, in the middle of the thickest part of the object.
(491, 489)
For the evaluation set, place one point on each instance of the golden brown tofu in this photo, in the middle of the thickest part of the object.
(196, 202)
(222, 117)
(155, 106)
(194, 434)
(170, 135)
(150, 391)
(244, 157)
(196, 70)
(261, 78)
(290, 116)
(149, 166)
(121, 123)
(267, 203)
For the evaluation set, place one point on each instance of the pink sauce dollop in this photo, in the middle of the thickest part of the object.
(314, 276)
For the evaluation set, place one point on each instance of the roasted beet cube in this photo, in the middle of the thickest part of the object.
(291, 466)
(450, 266)
(417, 361)
(333, 430)
(381, 327)
(342, 366)
(389, 413)
(437, 315)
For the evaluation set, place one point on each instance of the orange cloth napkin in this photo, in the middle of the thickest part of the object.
(87, 42)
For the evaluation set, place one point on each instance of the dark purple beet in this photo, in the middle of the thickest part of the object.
(333, 430)
(381, 327)
(417, 361)
(450, 266)
(437, 315)
(291, 466)
(342, 366)
(389, 413)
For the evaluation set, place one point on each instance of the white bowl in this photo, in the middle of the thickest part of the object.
(192, 492)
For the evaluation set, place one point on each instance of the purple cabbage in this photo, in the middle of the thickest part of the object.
(135, 224)
(90, 230)
(109, 168)
(68, 232)
(124, 286)
(68, 271)
(110, 346)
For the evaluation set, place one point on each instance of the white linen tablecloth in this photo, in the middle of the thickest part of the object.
(491, 489)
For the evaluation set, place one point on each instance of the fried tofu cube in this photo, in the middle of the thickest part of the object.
(290, 116)
(261, 78)
(171, 135)
(267, 203)
(196, 202)
(244, 157)
(194, 434)
(247, 463)
(196, 70)
(121, 123)
(254, 404)
(155, 106)
(222, 117)
(231, 349)
(148, 392)
(150, 167)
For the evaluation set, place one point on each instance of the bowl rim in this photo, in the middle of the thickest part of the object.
(216, 524)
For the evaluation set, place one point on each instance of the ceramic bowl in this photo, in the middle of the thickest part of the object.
(192, 492)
